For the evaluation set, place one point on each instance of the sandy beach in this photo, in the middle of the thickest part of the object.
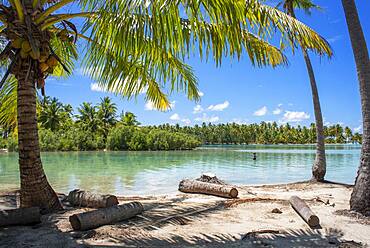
(188, 220)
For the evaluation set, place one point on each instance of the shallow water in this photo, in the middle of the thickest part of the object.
(143, 173)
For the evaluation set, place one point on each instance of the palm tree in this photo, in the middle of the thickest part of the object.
(129, 119)
(88, 117)
(360, 198)
(319, 166)
(131, 46)
(51, 114)
(107, 114)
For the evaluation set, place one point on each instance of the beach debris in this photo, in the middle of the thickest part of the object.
(210, 178)
(83, 198)
(194, 186)
(20, 216)
(304, 211)
(105, 216)
(236, 202)
(276, 211)
(254, 233)
(327, 202)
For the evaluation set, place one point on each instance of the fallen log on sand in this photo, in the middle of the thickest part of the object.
(105, 216)
(194, 186)
(88, 199)
(304, 211)
(20, 216)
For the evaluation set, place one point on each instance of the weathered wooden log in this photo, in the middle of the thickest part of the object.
(304, 211)
(194, 186)
(88, 199)
(105, 216)
(20, 216)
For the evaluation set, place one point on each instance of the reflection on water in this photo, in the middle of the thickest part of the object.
(131, 173)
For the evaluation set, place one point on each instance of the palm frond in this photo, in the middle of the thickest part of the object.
(8, 103)
(267, 19)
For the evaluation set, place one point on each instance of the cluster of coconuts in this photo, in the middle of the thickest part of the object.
(47, 61)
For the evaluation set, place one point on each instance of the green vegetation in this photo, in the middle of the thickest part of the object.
(265, 133)
(96, 127)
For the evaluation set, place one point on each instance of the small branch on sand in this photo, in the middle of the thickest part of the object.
(254, 233)
(233, 203)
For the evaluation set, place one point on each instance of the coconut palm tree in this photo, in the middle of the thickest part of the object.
(51, 114)
(88, 117)
(107, 114)
(129, 119)
(131, 47)
(319, 166)
(360, 198)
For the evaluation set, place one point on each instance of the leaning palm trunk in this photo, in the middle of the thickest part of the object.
(35, 189)
(319, 167)
(360, 198)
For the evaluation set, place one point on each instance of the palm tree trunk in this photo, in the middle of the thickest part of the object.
(360, 198)
(35, 189)
(319, 167)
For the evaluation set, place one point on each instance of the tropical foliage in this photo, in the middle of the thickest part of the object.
(95, 127)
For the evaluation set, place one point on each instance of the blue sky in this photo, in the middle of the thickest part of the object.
(239, 92)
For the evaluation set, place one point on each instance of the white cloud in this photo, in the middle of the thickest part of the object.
(219, 107)
(197, 109)
(358, 129)
(261, 112)
(206, 118)
(186, 121)
(277, 111)
(175, 117)
(96, 87)
(201, 93)
(295, 116)
(150, 106)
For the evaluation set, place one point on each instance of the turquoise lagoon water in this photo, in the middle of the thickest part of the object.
(144, 173)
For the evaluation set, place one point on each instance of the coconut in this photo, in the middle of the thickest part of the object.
(52, 61)
(17, 43)
(26, 47)
(43, 67)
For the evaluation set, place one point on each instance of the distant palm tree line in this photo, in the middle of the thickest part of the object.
(99, 120)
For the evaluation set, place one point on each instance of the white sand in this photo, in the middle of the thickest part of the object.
(197, 220)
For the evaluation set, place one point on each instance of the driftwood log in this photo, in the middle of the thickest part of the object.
(88, 199)
(20, 216)
(304, 211)
(105, 216)
(194, 186)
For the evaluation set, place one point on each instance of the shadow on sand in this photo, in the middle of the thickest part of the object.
(146, 230)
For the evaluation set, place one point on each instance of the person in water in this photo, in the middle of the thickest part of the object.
(254, 156)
